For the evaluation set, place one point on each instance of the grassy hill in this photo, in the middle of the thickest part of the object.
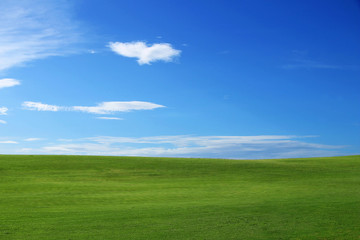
(93, 197)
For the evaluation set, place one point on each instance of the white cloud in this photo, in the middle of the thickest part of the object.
(8, 82)
(110, 118)
(185, 140)
(9, 142)
(32, 139)
(34, 29)
(102, 108)
(111, 107)
(235, 147)
(145, 53)
(38, 106)
(3, 110)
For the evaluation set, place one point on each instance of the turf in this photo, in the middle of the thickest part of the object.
(91, 197)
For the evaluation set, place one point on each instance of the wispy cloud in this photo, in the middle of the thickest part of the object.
(8, 82)
(309, 64)
(111, 107)
(32, 139)
(236, 147)
(38, 106)
(145, 53)
(110, 118)
(300, 60)
(101, 108)
(34, 29)
(4, 83)
(3, 110)
(9, 142)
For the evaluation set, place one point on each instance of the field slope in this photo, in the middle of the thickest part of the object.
(90, 197)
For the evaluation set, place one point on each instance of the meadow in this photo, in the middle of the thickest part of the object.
(95, 197)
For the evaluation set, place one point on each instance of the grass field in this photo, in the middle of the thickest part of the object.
(90, 197)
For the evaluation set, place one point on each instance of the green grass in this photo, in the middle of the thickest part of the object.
(90, 197)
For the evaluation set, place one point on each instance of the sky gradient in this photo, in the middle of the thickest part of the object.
(225, 79)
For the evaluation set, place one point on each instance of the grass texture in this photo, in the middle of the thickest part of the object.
(95, 197)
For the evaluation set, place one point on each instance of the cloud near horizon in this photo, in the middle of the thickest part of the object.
(144, 52)
(231, 147)
(101, 108)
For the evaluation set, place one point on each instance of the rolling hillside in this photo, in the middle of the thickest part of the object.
(94, 197)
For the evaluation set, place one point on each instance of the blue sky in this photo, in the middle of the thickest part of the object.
(226, 79)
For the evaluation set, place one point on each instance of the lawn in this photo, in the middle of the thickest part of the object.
(95, 197)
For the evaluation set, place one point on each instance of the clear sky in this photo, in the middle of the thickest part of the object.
(190, 78)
